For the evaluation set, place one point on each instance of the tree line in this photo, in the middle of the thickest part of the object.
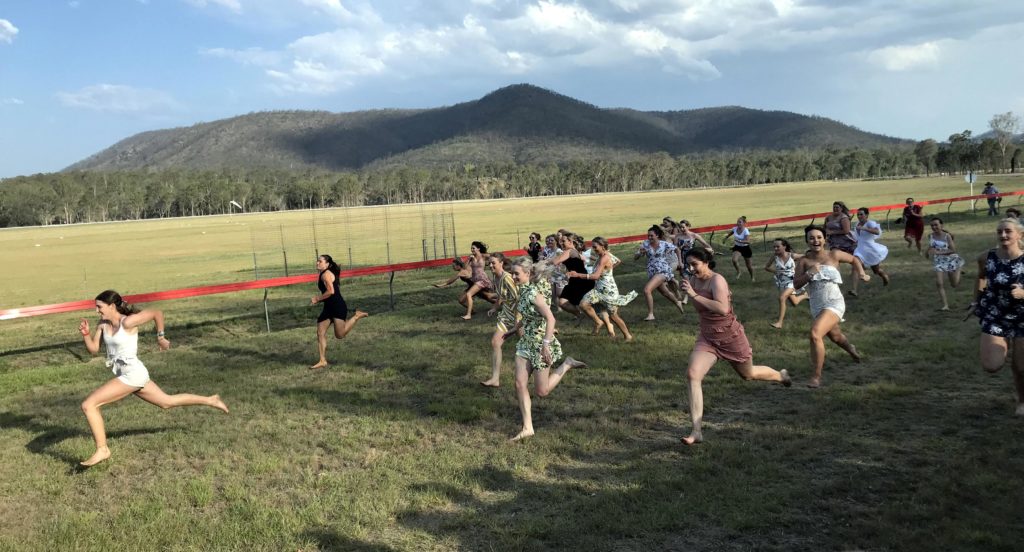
(90, 196)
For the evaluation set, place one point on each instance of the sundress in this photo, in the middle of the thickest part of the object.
(836, 239)
(535, 327)
(659, 260)
(721, 334)
(558, 279)
(870, 252)
(824, 293)
(784, 273)
(1000, 314)
(606, 293)
(479, 277)
(944, 263)
(508, 291)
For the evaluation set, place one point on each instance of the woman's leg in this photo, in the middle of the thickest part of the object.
(589, 309)
(1017, 366)
(837, 336)
(342, 327)
(522, 376)
(569, 307)
(496, 344)
(110, 392)
(700, 364)
(652, 284)
(668, 294)
(786, 295)
(855, 279)
(152, 394)
(954, 278)
(473, 290)
(736, 263)
(993, 353)
(877, 269)
(822, 325)
(545, 381)
(939, 277)
(621, 324)
(748, 371)
(750, 267)
(321, 343)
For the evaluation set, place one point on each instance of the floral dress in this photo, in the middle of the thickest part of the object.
(535, 327)
(1000, 314)
(508, 291)
(944, 262)
(785, 272)
(660, 259)
(606, 293)
(558, 279)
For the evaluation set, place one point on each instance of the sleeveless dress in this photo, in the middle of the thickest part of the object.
(837, 239)
(784, 273)
(574, 291)
(122, 357)
(684, 245)
(535, 327)
(1000, 314)
(824, 293)
(870, 252)
(558, 279)
(479, 276)
(606, 293)
(659, 259)
(508, 292)
(334, 307)
(721, 334)
(944, 263)
(913, 220)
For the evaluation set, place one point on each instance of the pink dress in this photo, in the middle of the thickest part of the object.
(721, 334)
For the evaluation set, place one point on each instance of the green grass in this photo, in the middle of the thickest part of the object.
(396, 446)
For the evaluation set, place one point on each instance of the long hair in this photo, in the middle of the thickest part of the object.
(810, 228)
(658, 231)
(703, 255)
(506, 264)
(112, 297)
(842, 208)
(480, 246)
(579, 242)
(331, 265)
(785, 244)
(540, 270)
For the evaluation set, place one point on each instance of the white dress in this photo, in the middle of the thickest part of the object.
(824, 293)
(870, 252)
(122, 359)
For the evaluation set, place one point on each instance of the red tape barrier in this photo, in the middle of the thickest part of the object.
(55, 308)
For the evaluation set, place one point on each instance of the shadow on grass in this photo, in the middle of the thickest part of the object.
(53, 435)
(329, 540)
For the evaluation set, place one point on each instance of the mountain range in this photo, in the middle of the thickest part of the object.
(520, 123)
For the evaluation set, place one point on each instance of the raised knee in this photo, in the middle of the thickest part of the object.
(88, 405)
(543, 392)
(991, 367)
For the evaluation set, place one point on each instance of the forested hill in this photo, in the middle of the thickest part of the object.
(520, 123)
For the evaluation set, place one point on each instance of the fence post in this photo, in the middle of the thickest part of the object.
(519, 241)
(266, 307)
(284, 252)
(424, 249)
(887, 227)
(764, 237)
(391, 279)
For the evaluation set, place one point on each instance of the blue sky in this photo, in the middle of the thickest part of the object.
(77, 76)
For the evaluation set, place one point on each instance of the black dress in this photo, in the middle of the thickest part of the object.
(335, 306)
(574, 291)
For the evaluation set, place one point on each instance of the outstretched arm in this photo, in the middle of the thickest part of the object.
(149, 315)
(845, 257)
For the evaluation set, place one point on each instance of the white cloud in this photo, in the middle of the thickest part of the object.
(7, 31)
(249, 56)
(117, 98)
(233, 5)
(907, 57)
(11, 101)
(74, 4)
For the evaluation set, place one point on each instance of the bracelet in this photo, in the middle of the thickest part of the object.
(159, 334)
(546, 341)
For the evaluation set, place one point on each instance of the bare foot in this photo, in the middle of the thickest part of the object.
(101, 454)
(650, 318)
(944, 308)
(629, 337)
(786, 380)
(522, 435)
(692, 439)
(814, 383)
(218, 404)
(776, 325)
(679, 305)
(319, 365)
(1020, 409)
(490, 383)
(851, 293)
(361, 314)
(597, 327)
(854, 354)
(885, 280)
(570, 362)
(467, 317)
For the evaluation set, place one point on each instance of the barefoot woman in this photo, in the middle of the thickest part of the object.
(119, 329)
(505, 308)
(819, 271)
(335, 309)
(537, 349)
(721, 336)
(999, 304)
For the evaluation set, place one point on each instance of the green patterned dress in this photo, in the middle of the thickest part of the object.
(606, 293)
(535, 327)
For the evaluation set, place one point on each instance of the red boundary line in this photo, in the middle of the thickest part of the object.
(71, 306)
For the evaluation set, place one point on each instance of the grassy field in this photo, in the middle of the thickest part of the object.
(64, 263)
(396, 446)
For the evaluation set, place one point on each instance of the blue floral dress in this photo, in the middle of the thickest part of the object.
(1000, 314)
(659, 259)
(535, 326)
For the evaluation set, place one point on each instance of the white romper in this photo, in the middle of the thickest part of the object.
(824, 293)
(122, 359)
